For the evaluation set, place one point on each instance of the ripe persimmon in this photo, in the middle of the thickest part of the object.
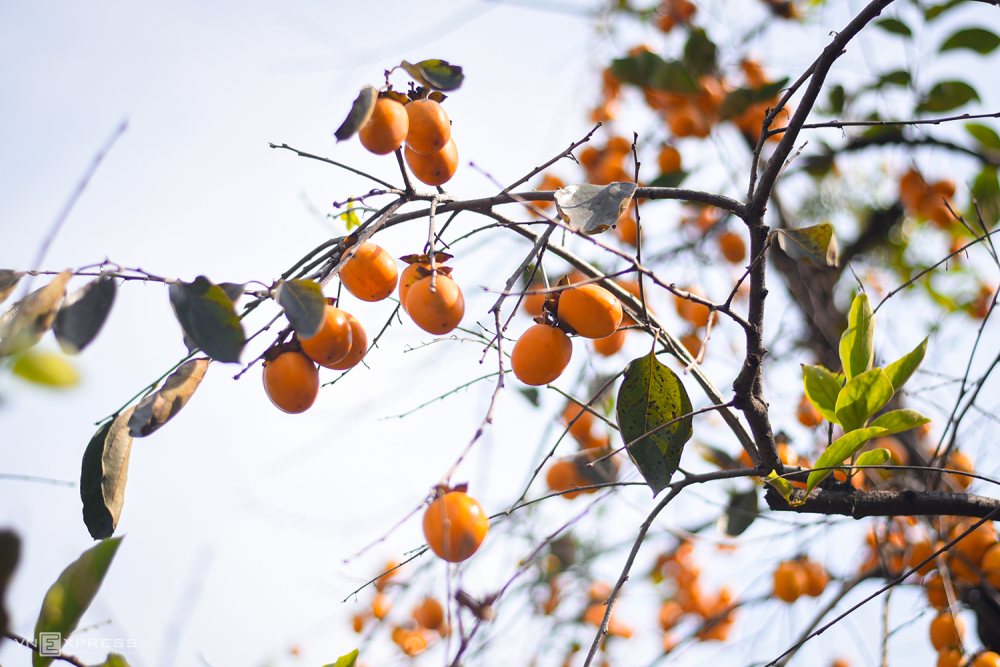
(946, 631)
(563, 476)
(790, 580)
(549, 182)
(435, 168)
(436, 312)
(291, 381)
(610, 345)
(807, 414)
(386, 130)
(359, 346)
(917, 554)
(816, 578)
(533, 301)
(732, 246)
(409, 276)
(429, 614)
(696, 313)
(937, 596)
(670, 160)
(627, 229)
(370, 275)
(455, 526)
(951, 657)
(381, 606)
(429, 127)
(333, 341)
(987, 659)
(692, 343)
(541, 354)
(585, 420)
(591, 310)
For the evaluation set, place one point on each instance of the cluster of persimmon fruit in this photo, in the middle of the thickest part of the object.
(797, 577)
(419, 122)
(429, 296)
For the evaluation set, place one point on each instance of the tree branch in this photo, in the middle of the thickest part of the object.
(846, 500)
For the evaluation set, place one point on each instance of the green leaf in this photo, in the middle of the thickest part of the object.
(115, 660)
(304, 304)
(781, 485)
(669, 180)
(984, 135)
(932, 13)
(842, 449)
(975, 39)
(986, 190)
(83, 313)
(862, 396)
(857, 343)
(361, 112)
(104, 474)
(8, 281)
(895, 26)
(161, 406)
(652, 395)
(741, 510)
(737, 101)
(207, 315)
(25, 322)
(10, 553)
(699, 53)
(648, 70)
(592, 209)
(898, 421)
(46, 368)
(900, 370)
(345, 660)
(436, 74)
(837, 99)
(874, 458)
(948, 95)
(233, 290)
(70, 596)
(897, 78)
(816, 245)
(817, 165)
(822, 388)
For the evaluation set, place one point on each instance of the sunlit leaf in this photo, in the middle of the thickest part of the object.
(114, 660)
(436, 74)
(104, 475)
(816, 245)
(27, 320)
(83, 313)
(360, 114)
(975, 39)
(900, 370)
(207, 316)
(71, 594)
(348, 660)
(8, 282)
(304, 304)
(46, 368)
(822, 388)
(948, 95)
(161, 406)
(10, 553)
(592, 209)
(987, 136)
(781, 485)
(862, 396)
(741, 510)
(652, 395)
(857, 343)
(898, 421)
(895, 26)
(875, 457)
(986, 190)
(842, 449)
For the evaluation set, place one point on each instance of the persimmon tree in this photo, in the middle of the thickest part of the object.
(698, 292)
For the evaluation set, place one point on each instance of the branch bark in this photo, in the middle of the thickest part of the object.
(845, 500)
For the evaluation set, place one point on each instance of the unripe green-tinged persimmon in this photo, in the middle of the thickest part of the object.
(435, 168)
(386, 130)
(359, 346)
(332, 342)
(455, 526)
(371, 274)
(591, 310)
(291, 381)
(541, 354)
(409, 276)
(436, 312)
(429, 127)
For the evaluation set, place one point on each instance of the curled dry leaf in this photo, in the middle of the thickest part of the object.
(592, 209)
(816, 245)
(360, 114)
(83, 313)
(24, 324)
(161, 406)
(8, 281)
(436, 74)
(104, 474)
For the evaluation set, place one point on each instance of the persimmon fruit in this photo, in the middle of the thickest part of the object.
(789, 581)
(455, 526)
(371, 274)
(291, 381)
(429, 127)
(429, 614)
(591, 310)
(435, 168)
(610, 345)
(359, 346)
(333, 341)
(669, 160)
(732, 247)
(436, 312)
(541, 355)
(409, 276)
(563, 476)
(987, 659)
(386, 130)
(946, 631)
